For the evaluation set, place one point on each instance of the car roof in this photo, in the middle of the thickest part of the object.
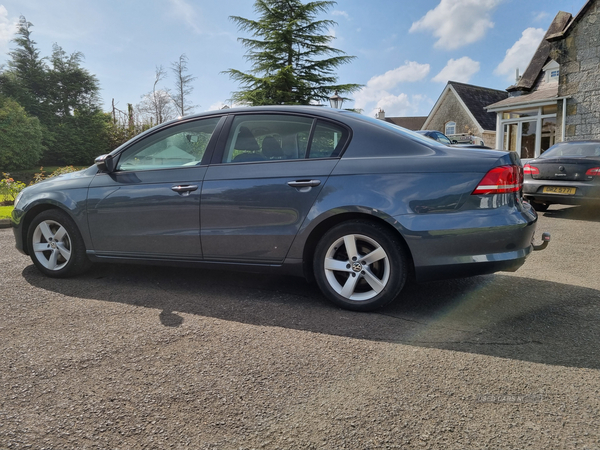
(306, 109)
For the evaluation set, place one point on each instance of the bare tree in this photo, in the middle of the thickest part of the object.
(157, 104)
(183, 86)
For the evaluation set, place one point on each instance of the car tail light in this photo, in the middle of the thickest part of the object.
(500, 180)
(593, 172)
(531, 170)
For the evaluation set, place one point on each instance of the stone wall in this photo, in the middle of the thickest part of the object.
(579, 57)
(450, 110)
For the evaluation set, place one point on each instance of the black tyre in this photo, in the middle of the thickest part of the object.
(541, 207)
(360, 265)
(56, 246)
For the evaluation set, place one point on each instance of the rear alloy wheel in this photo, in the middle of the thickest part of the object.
(56, 246)
(360, 265)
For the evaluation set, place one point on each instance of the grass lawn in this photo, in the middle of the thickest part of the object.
(5, 212)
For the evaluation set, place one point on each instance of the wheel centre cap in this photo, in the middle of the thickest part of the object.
(357, 267)
(53, 244)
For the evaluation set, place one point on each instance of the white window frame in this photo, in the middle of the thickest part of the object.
(450, 124)
(537, 118)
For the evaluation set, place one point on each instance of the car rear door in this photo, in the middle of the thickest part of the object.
(259, 189)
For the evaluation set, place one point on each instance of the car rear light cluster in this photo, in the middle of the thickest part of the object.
(501, 180)
(531, 170)
(593, 172)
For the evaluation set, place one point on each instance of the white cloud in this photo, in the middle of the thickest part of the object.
(457, 23)
(340, 13)
(8, 27)
(411, 71)
(520, 54)
(460, 70)
(394, 105)
(378, 93)
(540, 16)
(187, 13)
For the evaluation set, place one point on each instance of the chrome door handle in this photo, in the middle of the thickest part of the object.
(304, 183)
(186, 188)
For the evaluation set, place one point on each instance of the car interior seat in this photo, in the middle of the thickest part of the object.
(271, 148)
(247, 143)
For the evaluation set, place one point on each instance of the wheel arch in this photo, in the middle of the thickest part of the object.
(330, 222)
(31, 214)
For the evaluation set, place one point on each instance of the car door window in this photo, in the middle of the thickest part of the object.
(176, 146)
(261, 137)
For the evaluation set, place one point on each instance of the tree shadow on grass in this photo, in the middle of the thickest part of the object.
(496, 315)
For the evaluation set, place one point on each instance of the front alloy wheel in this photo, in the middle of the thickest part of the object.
(360, 266)
(56, 246)
(51, 245)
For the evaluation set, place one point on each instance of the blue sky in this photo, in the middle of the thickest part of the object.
(406, 50)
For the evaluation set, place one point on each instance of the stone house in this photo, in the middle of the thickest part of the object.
(558, 96)
(576, 49)
(460, 112)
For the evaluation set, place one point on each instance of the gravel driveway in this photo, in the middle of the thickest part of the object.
(131, 357)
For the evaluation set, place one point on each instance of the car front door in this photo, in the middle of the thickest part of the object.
(150, 205)
(260, 189)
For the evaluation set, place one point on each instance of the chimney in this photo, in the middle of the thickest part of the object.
(380, 114)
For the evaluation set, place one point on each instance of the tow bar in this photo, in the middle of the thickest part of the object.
(544, 244)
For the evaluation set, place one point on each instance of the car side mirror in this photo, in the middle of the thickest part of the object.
(105, 163)
(454, 141)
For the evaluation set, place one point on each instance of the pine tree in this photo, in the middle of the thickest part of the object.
(285, 50)
(25, 80)
(62, 95)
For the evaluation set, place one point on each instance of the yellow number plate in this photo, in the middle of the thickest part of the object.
(559, 190)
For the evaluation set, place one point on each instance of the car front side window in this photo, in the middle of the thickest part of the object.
(176, 146)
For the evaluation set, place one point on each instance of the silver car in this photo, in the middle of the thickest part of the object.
(357, 204)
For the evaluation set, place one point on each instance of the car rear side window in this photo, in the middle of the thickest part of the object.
(327, 141)
(176, 146)
(264, 137)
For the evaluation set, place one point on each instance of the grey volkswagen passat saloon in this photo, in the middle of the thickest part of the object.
(357, 203)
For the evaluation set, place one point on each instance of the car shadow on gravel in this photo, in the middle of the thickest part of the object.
(588, 213)
(496, 315)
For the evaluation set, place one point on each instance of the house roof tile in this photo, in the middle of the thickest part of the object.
(476, 98)
(541, 55)
(547, 93)
(410, 123)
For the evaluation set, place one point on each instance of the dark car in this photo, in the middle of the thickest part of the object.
(443, 139)
(567, 173)
(355, 203)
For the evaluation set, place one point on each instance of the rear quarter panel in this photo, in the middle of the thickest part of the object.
(425, 194)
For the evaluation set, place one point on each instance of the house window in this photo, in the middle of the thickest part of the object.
(527, 133)
(450, 128)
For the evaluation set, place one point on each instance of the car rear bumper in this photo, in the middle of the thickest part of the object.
(495, 240)
(506, 262)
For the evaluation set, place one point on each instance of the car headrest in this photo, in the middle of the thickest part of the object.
(271, 148)
(245, 141)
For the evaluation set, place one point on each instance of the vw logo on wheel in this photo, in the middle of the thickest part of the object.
(357, 267)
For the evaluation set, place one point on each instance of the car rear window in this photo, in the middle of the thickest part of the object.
(573, 150)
